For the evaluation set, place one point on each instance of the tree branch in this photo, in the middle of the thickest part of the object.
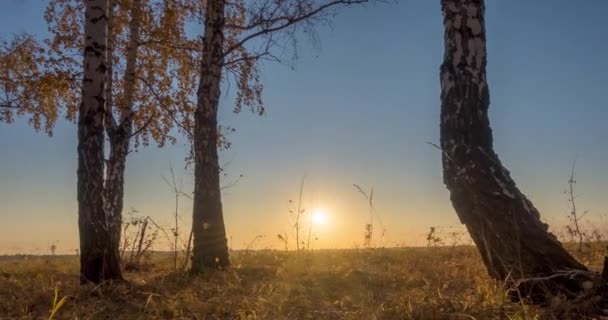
(142, 128)
(162, 105)
(289, 20)
(10, 106)
(172, 46)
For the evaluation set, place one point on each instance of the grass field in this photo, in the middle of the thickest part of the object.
(400, 283)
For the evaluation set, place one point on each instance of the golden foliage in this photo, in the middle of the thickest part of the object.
(28, 86)
(43, 78)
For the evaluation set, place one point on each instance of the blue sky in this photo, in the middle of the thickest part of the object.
(359, 108)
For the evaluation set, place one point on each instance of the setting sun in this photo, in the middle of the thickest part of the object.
(319, 217)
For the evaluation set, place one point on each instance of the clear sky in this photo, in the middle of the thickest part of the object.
(359, 108)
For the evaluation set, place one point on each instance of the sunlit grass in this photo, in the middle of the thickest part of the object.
(400, 283)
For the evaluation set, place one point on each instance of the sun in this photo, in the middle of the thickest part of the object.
(319, 217)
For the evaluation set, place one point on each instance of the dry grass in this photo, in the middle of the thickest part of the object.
(400, 283)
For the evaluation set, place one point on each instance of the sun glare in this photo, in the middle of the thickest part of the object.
(319, 217)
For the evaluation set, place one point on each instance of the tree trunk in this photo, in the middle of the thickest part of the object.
(115, 181)
(120, 134)
(507, 229)
(99, 259)
(210, 247)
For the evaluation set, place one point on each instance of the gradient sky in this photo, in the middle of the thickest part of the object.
(358, 108)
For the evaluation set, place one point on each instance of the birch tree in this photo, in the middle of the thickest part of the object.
(504, 224)
(236, 37)
(99, 260)
(150, 81)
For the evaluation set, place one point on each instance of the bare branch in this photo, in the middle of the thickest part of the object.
(440, 149)
(269, 25)
(266, 55)
(10, 106)
(232, 183)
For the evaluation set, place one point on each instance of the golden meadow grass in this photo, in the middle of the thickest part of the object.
(399, 283)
